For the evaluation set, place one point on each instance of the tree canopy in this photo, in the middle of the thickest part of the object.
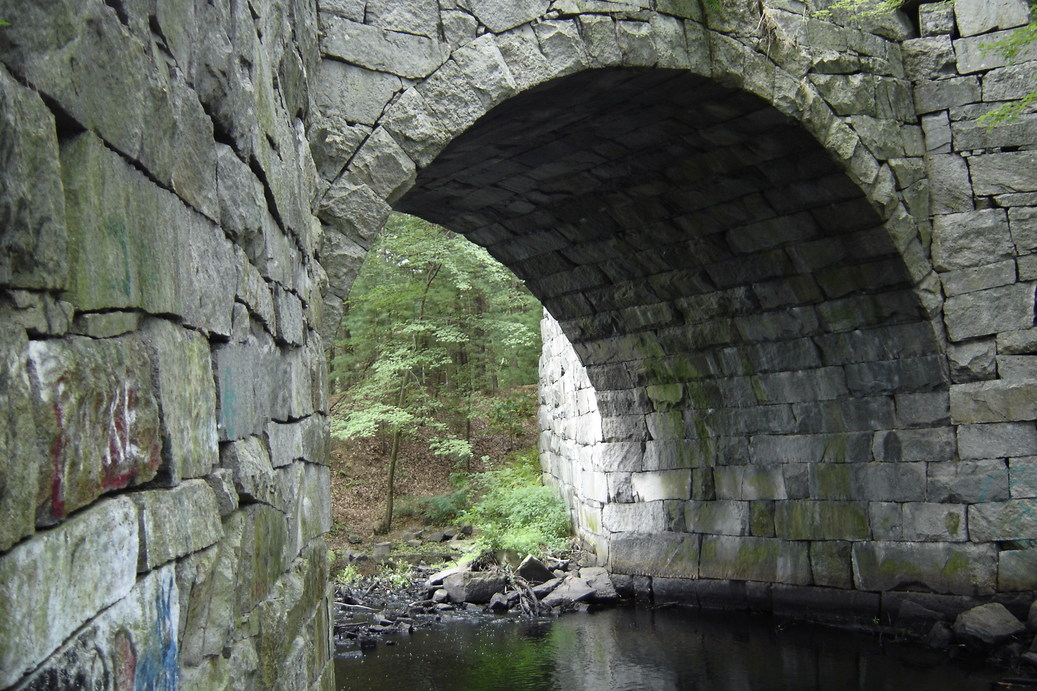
(432, 322)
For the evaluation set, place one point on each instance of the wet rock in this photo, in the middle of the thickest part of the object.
(476, 588)
(440, 576)
(533, 570)
(545, 588)
(499, 603)
(939, 637)
(598, 578)
(1031, 618)
(987, 624)
(1030, 656)
(570, 591)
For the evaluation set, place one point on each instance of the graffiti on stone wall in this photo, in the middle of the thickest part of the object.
(98, 418)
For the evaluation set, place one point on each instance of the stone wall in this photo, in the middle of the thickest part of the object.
(827, 456)
(163, 487)
(791, 279)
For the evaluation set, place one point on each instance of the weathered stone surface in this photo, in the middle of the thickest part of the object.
(929, 58)
(305, 439)
(980, 16)
(32, 207)
(288, 309)
(20, 453)
(1007, 308)
(473, 587)
(973, 56)
(717, 517)
(414, 16)
(831, 565)
(533, 570)
(755, 559)
(72, 584)
(249, 381)
(187, 398)
(400, 54)
(968, 481)
(354, 94)
(1004, 173)
(123, 231)
(383, 166)
(221, 482)
(134, 641)
(987, 624)
(1017, 570)
(1015, 519)
(143, 109)
(954, 568)
(637, 517)
(671, 555)
(820, 520)
(936, 18)
(970, 239)
(501, 15)
(570, 591)
(176, 522)
(997, 440)
(996, 401)
(96, 413)
(597, 577)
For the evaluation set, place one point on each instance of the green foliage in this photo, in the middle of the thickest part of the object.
(440, 509)
(1010, 47)
(349, 575)
(862, 8)
(396, 574)
(508, 413)
(514, 511)
(431, 319)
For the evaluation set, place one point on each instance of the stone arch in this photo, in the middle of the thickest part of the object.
(741, 272)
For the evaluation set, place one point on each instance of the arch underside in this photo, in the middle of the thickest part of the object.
(685, 233)
(750, 331)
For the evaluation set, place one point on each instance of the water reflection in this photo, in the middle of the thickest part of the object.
(634, 648)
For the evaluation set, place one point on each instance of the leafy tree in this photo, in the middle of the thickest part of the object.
(431, 322)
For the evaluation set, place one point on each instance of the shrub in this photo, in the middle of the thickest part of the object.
(513, 510)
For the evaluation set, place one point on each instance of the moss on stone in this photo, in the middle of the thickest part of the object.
(762, 518)
(953, 523)
(833, 481)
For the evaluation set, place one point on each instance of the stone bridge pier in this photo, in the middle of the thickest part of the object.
(789, 362)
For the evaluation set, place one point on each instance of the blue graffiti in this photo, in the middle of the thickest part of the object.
(158, 665)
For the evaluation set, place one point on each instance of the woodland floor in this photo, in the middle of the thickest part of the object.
(358, 479)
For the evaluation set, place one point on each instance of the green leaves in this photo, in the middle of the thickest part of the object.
(862, 8)
(513, 510)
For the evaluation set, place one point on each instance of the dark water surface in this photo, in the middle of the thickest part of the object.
(634, 648)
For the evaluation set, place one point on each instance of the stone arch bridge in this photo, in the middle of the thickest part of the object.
(790, 279)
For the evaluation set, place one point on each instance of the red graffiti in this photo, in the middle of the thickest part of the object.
(57, 495)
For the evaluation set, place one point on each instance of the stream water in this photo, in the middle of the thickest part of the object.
(631, 648)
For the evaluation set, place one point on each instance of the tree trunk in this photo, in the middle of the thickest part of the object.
(386, 524)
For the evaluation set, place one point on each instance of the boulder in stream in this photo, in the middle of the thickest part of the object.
(598, 579)
(987, 624)
(474, 587)
(533, 570)
(570, 591)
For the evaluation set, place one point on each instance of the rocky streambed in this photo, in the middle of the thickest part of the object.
(412, 591)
